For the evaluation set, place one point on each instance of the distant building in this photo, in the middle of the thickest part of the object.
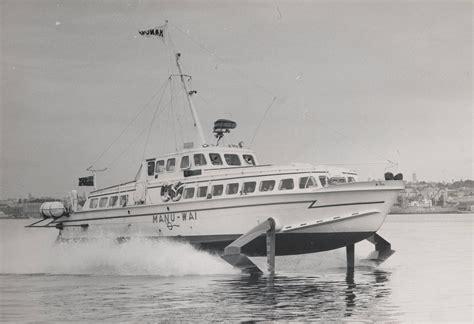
(414, 177)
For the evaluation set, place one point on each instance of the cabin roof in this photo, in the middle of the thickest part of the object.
(205, 149)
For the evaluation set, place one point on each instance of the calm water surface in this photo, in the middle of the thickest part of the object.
(429, 278)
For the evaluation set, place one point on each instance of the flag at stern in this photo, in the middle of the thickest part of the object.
(86, 181)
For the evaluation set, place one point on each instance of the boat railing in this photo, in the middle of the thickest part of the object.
(110, 187)
(238, 167)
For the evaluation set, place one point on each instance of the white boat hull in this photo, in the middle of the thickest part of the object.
(312, 221)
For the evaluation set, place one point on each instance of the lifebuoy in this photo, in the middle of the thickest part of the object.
(165, 192)
(176, 191)
(173, 192)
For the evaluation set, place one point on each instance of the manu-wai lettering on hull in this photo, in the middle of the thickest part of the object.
(170, 219)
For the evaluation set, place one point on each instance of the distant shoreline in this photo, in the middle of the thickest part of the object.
(429, 212)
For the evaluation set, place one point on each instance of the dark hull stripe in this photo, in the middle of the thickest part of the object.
(186, 210)
(287, 229)
(286, 243)
(295, 243)
(216, 208)
(348, 204)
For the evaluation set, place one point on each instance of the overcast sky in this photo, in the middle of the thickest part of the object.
(355, 82)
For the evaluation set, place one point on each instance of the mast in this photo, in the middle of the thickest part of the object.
(197, 123)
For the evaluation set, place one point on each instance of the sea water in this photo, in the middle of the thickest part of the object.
(429, 278)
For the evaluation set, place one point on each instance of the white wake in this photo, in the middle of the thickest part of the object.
(32, 251)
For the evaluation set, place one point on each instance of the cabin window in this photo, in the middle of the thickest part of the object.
(267, 185)
(307, 182)
(215, 159)
(323, 180)
(113, 201)
(337, 180)
(160, 166)
(217, 190)
(351, 179)
(93, 203)
(286, 184)
(202, 192)
(232, 188)
(123, 200)
(184, 162)
(188, 193)
(232, 159)
(170, 164)
(103, 202)
(249, 187)
(151, 168)
(199, 159)
(249, 159)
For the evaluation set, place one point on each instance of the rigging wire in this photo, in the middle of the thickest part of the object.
(126, 148)
(388, 162)
(213, 54)
(134, 141)
(143, 108)
(171, 53)
(172, 117)
(361, 163)
(174, 54)
(206, 102)
(184, 108)
(171, 47)
(280, 16)
(152, 121)
(261, 120)
(180, 132)
(236, 71)
(180, 126)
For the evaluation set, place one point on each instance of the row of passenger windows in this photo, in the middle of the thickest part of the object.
(249, 187)
(230, 189)
(199, 159)
(109, 202)
(338, 180)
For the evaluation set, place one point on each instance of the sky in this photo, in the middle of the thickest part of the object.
(357, 84)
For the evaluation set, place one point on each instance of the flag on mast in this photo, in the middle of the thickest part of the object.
(154, 32)
(86, 181)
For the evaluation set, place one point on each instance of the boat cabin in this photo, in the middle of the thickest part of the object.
(190, 162)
